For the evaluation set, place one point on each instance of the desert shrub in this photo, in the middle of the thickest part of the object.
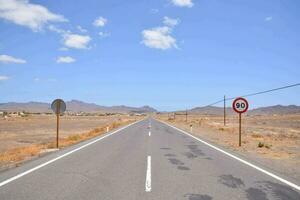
(74, 137)
(256, 135)
(268, 146)
(260, 145)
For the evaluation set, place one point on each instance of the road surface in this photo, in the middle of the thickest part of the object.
(146, 160)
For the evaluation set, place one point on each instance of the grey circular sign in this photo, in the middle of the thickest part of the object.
(58, 106)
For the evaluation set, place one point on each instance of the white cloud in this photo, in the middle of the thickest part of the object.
(4, 78)
(63, 49)
(36, 79)
(103, 34)
(183, 3)
(9, 59)
(268, 18)
(76, 41)
(70, 39)
(159, 38)
(170, 22)
(100, 22)
(57, 30)
(154, 11)
(65, 59)
(82, 30)
(23, 13)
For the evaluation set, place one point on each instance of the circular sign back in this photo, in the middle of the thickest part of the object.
(240, 105)
(58, 106)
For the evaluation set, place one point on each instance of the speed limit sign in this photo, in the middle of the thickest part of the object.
(240, 105)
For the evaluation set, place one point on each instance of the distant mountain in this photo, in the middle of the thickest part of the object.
(269, 110)
(73, 106)
(210, 110)
(80, 106)
(126, 109)
(277, 109)
(29, 106)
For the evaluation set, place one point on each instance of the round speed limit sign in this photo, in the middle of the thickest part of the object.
(240, 105)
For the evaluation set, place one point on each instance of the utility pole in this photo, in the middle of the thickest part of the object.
(224, 110)
(186, 115)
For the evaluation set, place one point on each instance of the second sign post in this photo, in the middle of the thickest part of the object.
(59, 107)
(240, 105)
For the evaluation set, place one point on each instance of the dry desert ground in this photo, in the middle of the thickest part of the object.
(28, 136)
(273, 140)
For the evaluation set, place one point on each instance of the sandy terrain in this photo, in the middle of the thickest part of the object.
(21, 131)
(24, 137)
(278, 136)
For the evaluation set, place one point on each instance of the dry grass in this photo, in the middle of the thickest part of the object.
(19, 154)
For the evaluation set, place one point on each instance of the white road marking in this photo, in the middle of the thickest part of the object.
(149, 133)
(293, 185)
(148, 175)
(60, 157)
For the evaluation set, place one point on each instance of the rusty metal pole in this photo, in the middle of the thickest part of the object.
(186, 114)
(57, 123)
(240, 129)
(224, 110)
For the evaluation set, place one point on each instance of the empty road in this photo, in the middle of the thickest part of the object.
(146, 160)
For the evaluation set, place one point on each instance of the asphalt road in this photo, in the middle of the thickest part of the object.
(135, 164)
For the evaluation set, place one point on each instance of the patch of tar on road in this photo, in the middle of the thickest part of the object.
(194, 149)
(198, 197)
(165, 148)
(190, 155)
(183, 168)
(231, 181)
(175, 161)
(168, 131)
(255, 194)
(280, 191)
(208, 158)
(170, 155)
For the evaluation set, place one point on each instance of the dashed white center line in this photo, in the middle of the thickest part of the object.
(149, 133)
(148, 175)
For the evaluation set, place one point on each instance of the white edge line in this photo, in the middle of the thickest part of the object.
(293, 185)
(148, 175)
(60, 157)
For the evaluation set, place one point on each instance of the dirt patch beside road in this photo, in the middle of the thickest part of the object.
(22, 138)
(270, 140)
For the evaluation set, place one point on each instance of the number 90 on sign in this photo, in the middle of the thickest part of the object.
(240, 105)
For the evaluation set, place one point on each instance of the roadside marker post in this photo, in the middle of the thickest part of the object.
(59, 107)
(224, 110)
(240, 105)
(186, 115)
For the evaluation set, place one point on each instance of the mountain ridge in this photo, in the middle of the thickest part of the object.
(72, 106)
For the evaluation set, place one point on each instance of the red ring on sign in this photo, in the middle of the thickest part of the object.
(237, 99)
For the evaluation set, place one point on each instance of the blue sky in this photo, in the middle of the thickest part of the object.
(169, 54)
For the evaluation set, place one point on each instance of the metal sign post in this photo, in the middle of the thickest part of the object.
(59, 107)
(240, 105)
(224, 110)
(186, 115)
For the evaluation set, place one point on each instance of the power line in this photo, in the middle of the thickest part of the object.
(256, 93)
